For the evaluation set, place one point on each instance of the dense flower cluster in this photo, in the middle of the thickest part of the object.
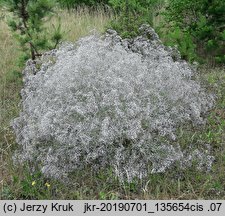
(109, 102)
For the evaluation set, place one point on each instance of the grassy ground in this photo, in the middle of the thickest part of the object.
(80, 22)
(16, 182)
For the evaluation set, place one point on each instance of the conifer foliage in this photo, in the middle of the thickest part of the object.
(27, 22)
(204, 21)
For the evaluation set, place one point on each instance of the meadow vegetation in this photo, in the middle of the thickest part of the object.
(17, 182)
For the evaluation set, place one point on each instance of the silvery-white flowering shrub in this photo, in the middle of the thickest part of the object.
(108, 102)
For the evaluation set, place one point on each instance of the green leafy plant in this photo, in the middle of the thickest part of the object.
(183, 40)
(30, 186)
(131, 14)
(70, 4)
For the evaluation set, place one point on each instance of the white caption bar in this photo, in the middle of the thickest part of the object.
(123, 207)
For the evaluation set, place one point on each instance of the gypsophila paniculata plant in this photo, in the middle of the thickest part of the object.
(109, 102)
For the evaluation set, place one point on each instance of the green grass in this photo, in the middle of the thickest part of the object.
(18, 183)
